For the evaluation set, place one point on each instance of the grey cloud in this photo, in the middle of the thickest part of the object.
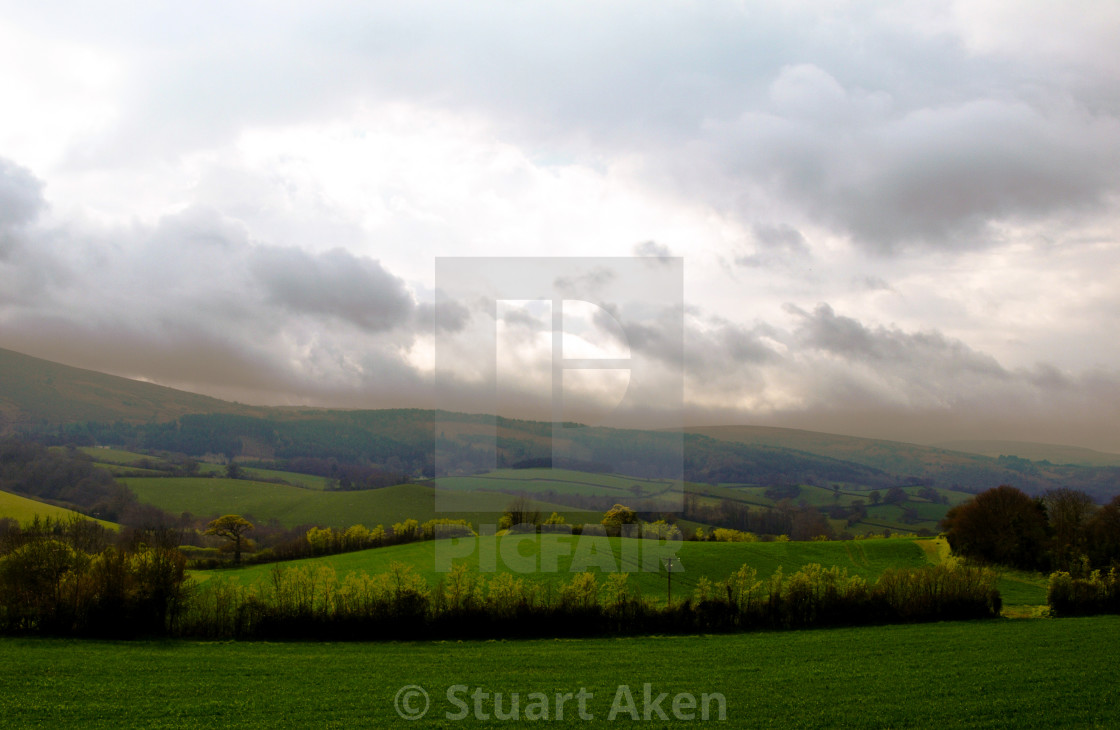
(824, 330)
(937, 175)
(21, 202)
(446, 316)
(782, 236)
(585, 285)
(652, 248)
(336, 283)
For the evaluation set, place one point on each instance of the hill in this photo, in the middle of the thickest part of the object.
(60, 404)
(23, 510)
(916, 464)
(1055, 453)
(35, 391)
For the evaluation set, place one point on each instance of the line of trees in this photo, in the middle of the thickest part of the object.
(65, 578)
(312, 602)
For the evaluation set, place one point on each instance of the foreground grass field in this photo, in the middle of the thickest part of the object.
(1004, 673)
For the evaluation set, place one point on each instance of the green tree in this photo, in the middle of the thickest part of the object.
(232, 528)
(617, 516)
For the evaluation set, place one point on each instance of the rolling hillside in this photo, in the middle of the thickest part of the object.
(70, 405)
(711, 560)
(36, 391)
(23, 510)
(1055, 453)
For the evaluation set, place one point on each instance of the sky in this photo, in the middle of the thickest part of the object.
(897, 220)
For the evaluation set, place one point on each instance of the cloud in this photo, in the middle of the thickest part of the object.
(335, 284)
(21, 202)
(653, 249)
(848, 338)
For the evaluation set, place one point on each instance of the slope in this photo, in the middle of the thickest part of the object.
(36, 391)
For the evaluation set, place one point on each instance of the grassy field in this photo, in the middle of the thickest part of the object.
(715, 561)
(23, 510)
(561, 481)
(995, 674)
(292, 505)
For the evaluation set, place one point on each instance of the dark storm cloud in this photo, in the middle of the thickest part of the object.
(336, 284)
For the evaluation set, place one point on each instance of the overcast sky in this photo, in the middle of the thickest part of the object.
(896, 219)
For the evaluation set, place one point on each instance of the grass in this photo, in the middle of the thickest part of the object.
(715, 561)
(24, 510)
(561, 481)
(291, 506)
(104, 455)
(993, 674)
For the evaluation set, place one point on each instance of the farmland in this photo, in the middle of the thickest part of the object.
(967, 674)
(24, 510)
(714, 561)
(293, 506)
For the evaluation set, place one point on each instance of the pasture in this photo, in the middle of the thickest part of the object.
(988, 674)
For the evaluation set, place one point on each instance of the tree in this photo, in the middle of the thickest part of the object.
(233, 470)
(232, 528)
(1068, 511)
(520, 511)
(876, 497)
(1002, 525)
(617, 516)
(1103, 530)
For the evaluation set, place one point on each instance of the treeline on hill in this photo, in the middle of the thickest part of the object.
(291, 441)
(66, 478)
(67, 581)
(1062, 531)
(1061, 528)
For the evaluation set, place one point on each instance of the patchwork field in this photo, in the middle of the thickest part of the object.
(989, 674)
(292, 506)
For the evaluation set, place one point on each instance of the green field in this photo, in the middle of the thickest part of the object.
(715, 561)
(291, 506)
(23, 510)
(995, 674)
(561, 481)
(711, 560)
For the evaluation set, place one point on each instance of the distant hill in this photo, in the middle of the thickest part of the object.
(895, 457)
(60, 404)
(1054, 453)
(34, 391)
(940, 467)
